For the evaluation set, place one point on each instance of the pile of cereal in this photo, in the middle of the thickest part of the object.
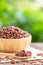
(23, 53)
(12, 32)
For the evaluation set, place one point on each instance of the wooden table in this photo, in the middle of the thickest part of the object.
(33, 62)
(37, 46)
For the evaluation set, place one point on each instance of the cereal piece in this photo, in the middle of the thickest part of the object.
(1, 58)
(40, 54)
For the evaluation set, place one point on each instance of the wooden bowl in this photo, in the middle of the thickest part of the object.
(14, 45)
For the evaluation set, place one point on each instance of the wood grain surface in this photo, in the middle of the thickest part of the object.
(37, 46)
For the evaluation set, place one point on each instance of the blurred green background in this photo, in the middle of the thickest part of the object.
(26, 14)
